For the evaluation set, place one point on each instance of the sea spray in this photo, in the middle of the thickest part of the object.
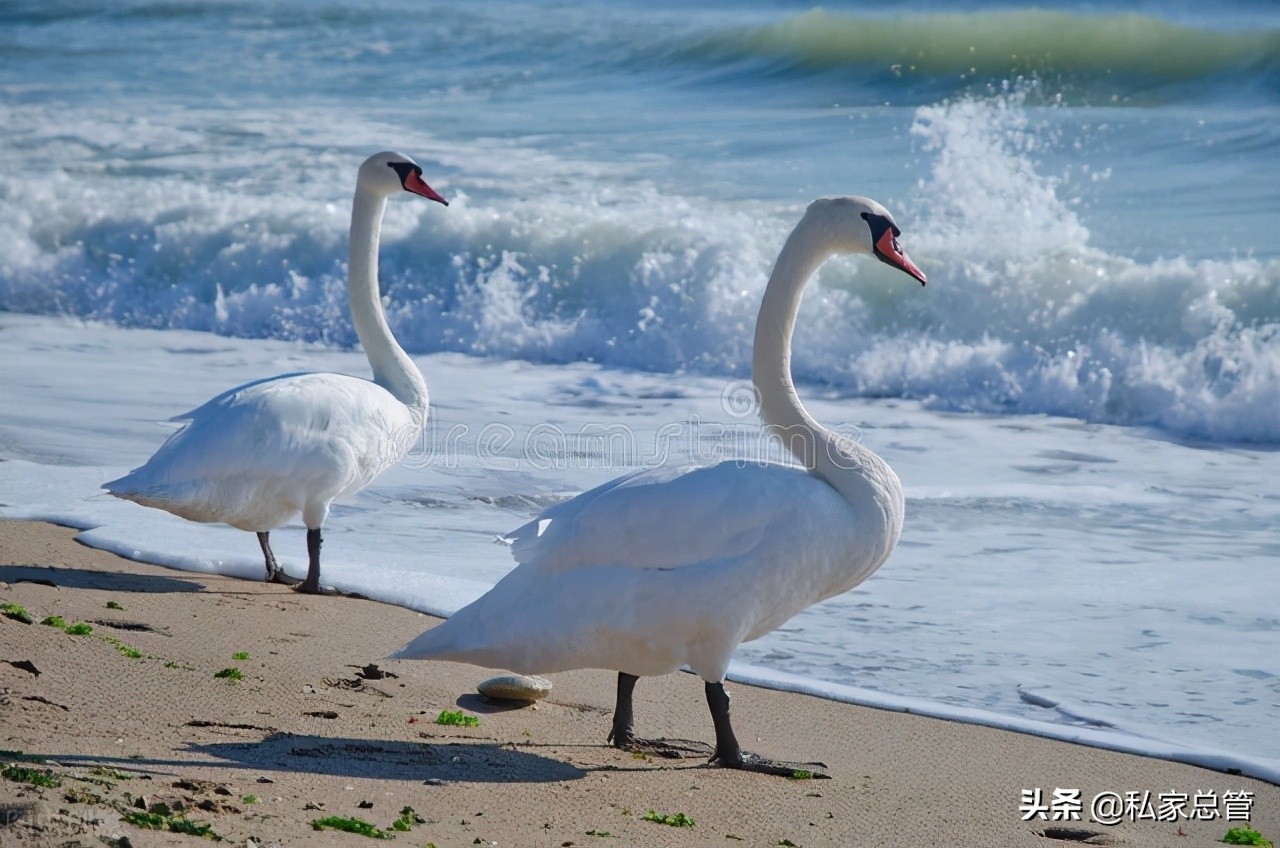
(543, 258)
(1028, 317)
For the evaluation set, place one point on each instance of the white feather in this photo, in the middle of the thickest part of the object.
(257, 455)
(661, 569)
(672, 567)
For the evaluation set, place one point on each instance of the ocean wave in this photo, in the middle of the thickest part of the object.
(998, 44)
(1022, 313)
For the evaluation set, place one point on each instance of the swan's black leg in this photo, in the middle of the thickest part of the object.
(311, 585)
(265, 543)
(730, 755)
(275, 574)
(624, 730)
(623, 733)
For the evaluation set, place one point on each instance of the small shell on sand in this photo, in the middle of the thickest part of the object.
(515, 687)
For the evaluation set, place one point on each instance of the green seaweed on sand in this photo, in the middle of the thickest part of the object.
(77, 629)
(457, 718)
(408, 818)
(126, 650)
(17, 612)
(673, 820)
(240, 655)
(155, 819)
(114, 605)
(103, 776)
(36, 777)
(1246, 835)
(149, 821)
(801, 774)
(230, 674)
(251, 799)
(350, 825)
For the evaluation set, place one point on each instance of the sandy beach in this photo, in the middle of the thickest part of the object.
(134, 714)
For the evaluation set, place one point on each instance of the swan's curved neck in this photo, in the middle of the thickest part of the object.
(392, 367)
(861, 477)
(780, 406)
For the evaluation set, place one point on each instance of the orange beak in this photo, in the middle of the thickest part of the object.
(888, 250)
(414, 183)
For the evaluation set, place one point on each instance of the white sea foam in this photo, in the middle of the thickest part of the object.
(1099, 736)
(545, 259)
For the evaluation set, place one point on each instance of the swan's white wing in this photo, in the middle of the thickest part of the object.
(661, 518)
(256, 455)
(242, 392)
(661, 569)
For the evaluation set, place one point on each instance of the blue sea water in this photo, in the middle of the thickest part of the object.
(1092, 194)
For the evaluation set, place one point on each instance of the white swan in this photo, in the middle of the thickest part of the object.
(257, 455)
(672, 567)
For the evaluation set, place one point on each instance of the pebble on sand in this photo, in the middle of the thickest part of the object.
(515, 687)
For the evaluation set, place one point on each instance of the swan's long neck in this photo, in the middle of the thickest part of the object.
(392, 367)
(780, 406)
(864, 479)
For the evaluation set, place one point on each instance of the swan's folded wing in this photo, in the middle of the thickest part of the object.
(664, 518)
(230, 396)
(293, 427)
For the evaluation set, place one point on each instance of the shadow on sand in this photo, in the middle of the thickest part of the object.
(83, 578)
(455, 762)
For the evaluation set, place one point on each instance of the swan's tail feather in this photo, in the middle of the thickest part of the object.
(129, 487)
(443, 643)
(135, 487)
(186, 499)
(485, 637)
(423, 647)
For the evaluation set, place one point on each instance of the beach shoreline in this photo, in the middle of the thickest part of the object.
(308, 732)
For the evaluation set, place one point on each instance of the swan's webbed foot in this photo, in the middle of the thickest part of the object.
(730, 755)
(278, 576)
(670, 749)
(306, 587)
(623, 734)
(275, 574)
(746, 761)
(621, 737)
